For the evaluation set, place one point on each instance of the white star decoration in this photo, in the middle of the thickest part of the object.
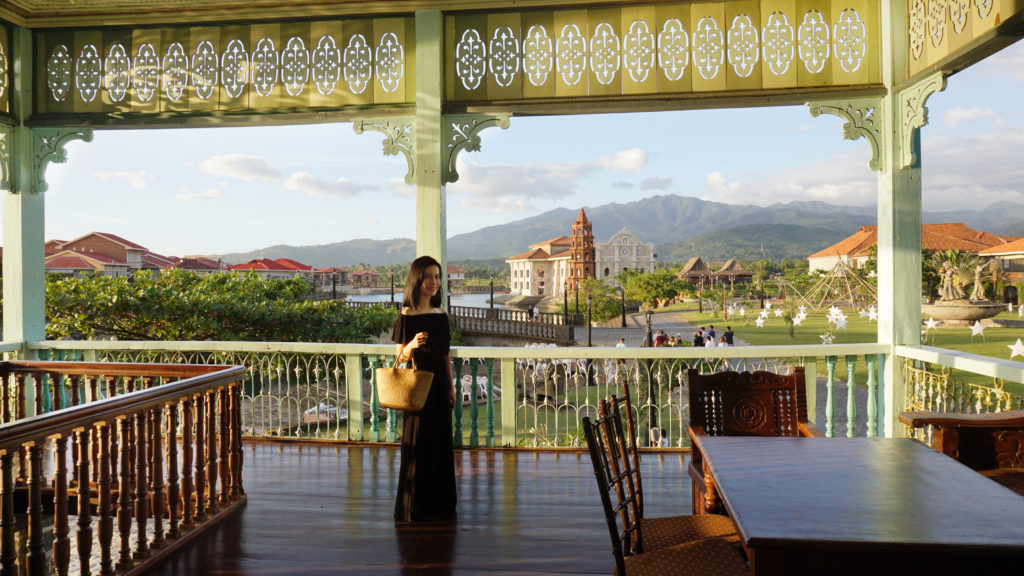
(759, 321)
(931, 323)
(977, 329)
(778, 312)
(768, 305)
(797, 320)
(863, 312)
(840, 322)
(826, 338)
(872, 313)
(803, 308)
(1016, 349)
(743, 311)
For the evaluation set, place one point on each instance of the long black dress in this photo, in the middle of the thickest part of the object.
(426, 477)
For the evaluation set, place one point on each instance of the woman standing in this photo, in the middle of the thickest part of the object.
(426, 476)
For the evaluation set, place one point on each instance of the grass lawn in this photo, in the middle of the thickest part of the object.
(994, 341)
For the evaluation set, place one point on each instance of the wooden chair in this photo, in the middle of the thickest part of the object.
(992, 444)
(742, 404)
(698, 555)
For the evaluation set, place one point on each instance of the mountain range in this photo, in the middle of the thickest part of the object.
(680, 227)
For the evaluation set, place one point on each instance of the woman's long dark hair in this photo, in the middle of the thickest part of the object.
(415, 278)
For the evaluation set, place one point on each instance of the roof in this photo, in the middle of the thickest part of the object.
(536, 254)
(949, 236)
(559, 241)
(694, 264)
(1013, 247)
(732, 267)
(293, 264)
(455, 270)
(331, 270)
(260, 264)
(71, 260)
(95, 256)
(112, 237)
(156, 260)
(197, 263)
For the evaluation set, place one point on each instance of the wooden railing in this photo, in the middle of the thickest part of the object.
(155, 449)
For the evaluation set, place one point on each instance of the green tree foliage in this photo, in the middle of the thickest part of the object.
(649, 288)
(181, 305)
(605, 299)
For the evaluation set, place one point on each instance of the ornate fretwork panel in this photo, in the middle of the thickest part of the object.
(940, 31)
(862, 121)
(238, 68)
(48, 146)
(399, 138)
(659, 49)
(462, 132)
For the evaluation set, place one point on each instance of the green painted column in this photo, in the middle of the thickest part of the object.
(431, 228)
(23, 210)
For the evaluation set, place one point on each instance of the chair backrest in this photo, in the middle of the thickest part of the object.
(747, 403)
(631, 444)
(614, 477)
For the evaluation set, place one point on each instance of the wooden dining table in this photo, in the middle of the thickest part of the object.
(863, 506)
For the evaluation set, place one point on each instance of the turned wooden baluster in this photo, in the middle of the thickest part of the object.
(19, 414)
(84, 534)
(105, 524)
(61, 544)
(158, 478)
(711, 504)
(187, 486)
(173, 490)
(124, 487)
(141, 485)
(225, 437)
(5, 402)
(200, 456)
(236, 441)
(36, 558)
(211, 451)
(8, 553)
(38, 400)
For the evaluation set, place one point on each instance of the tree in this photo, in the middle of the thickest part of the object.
(650, 288)
(182, 305)
(605, 302)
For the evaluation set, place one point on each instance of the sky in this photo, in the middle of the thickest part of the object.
(219, 190)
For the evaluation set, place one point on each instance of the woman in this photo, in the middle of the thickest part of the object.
(426, 477)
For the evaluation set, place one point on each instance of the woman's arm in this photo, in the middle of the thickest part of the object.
(452, 393)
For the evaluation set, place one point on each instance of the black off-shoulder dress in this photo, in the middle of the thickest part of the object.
(426, 477)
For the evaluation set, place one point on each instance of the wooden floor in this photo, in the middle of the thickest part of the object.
(328, 510)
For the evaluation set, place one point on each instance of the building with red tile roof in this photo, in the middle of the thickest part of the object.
(1010, 256)
(74, 263)
(456, 276)
(854, 250)
(363, 278)
(265, 268)
(110, 245)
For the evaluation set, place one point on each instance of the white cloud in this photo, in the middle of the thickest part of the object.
(956, 116)
(342, 187)
(656, 183)
(241, 167)
(800, 129)
(137, 180)
(208, 194)
(957, 173)
(398, 186)
(622, 185)
(632, 160)
(513, 188)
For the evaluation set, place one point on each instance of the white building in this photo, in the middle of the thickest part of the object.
(544, 269)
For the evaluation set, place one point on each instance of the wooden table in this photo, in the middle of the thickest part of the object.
(863, 506)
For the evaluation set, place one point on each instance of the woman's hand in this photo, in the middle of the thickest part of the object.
(420, 339)
(451, 398)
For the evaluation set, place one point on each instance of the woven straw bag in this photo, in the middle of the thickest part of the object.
(403, 388)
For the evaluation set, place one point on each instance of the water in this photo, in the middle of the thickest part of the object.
(471, 300)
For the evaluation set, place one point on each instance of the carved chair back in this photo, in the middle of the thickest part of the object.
(614, 474)
(747, 403)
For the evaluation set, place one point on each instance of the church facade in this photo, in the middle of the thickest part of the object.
(553, 267)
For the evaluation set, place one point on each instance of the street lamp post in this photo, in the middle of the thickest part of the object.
(577, 298)
(623, 306)
(392, 289)
(565, 302)
(492, 291)
(334, 286)
(652, 416)
(589, 342)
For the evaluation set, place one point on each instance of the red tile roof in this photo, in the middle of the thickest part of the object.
(560, 241)
(196, 264)
(536, 254)
(332, 269)
(1014, 247)
(112, 238)
(259, 264)
(96, 256)
(951, 236)
(455, 270)
(70, 260)
(292, 264)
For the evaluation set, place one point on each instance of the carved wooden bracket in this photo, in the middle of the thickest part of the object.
(48, 146)
(914, 115)
(462, 132)
(5, 158)
(862, 121)
(399, 137)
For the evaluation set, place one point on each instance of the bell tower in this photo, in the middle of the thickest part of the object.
(582, 254)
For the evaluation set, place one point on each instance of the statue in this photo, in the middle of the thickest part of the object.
(950, 289)
(978, 292)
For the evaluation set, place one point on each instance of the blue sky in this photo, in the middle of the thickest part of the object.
(210, 191)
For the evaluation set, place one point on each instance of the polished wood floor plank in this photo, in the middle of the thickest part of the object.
(327, 509)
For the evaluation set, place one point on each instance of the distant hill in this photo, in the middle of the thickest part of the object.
(679, 226)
